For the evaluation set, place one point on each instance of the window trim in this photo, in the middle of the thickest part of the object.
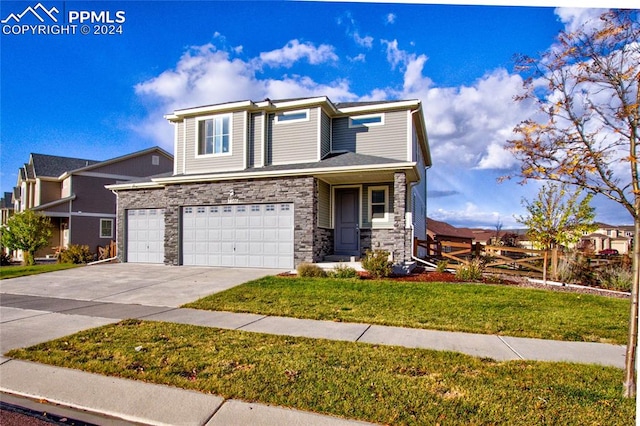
(198, 122)
(101, 229)
(353, 125)
(279, 115)
(385, 219)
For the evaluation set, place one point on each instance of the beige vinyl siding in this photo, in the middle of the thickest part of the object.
(295, 142)
(216, 163)
(325, 135)
(255, 140)
(366, 222)
(324, 204)
(388, 140)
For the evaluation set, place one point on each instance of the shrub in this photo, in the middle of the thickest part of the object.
(5, 259)
(75, 254)
(471, 272)
(616, 278)
(377, 264)
(575, 268)
(311, 270)
(343, 271)
(441, 266)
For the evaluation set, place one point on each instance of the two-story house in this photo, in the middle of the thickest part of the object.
(278, 182)
(72, 193)
(609, 237)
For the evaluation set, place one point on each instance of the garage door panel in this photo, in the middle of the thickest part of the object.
(252, 235)
(145, 235)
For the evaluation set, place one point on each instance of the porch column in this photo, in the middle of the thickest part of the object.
(402, 236)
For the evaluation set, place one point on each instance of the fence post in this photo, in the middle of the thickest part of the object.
(554, 263)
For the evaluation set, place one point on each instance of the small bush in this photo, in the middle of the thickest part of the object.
(377, 264)
(5, 259)
(75, 254)
(441, 266)
(575, 268)
(310, 270)
(616, 278)
(343, 271)
(471, 272)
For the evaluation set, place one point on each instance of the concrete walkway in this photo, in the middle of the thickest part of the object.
(28, 319)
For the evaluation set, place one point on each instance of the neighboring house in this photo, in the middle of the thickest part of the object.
(608, 237)
(277, 183)
(441, 232)
(72, 193)
(6, 207)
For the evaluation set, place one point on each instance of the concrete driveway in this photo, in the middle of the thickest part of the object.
(42, 307)
(131, 283)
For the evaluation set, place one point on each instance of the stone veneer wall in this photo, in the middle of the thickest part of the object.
(311, 243)
(396, 241)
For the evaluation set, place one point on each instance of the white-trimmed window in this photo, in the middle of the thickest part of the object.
(366, 120)
(106, 228)
(292, 116)
(214, 135)
(378, 202)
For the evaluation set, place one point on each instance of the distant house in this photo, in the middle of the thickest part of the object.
(6, 207)
(440, 234)
(275, 183)
(72, 193)
(608, 237)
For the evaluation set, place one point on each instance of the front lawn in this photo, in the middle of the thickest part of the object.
(15, 271)
(474, 308)
(383, 384)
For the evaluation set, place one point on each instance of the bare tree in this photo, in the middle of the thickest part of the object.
(586, 129)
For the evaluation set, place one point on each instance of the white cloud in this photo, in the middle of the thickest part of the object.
(472, 216)
(366, 41)
(295, 51)
(207, 74)
(351, 29)
(390, 19)
(575, 18)
(469, 125)
(359, 58)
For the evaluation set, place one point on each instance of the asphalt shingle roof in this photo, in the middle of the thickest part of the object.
(54, 166)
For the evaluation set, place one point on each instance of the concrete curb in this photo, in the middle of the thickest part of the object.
(145, 403)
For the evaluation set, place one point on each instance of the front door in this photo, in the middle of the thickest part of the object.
(347, 232)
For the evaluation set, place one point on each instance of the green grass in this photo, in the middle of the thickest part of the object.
(475, 308)
(384, 384)
(21, 271)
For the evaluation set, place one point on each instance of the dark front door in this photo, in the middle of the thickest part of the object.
(347, 232)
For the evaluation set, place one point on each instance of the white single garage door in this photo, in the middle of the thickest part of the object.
(253, 235)
(145, 236)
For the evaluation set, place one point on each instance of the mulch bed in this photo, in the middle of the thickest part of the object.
(421, 275)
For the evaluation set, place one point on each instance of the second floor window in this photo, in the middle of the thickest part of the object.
(214, 135)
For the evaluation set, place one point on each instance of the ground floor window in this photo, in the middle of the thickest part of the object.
(106, 228)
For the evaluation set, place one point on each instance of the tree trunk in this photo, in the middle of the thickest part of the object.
(632, 343)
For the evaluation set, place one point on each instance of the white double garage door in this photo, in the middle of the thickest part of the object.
(237, 235)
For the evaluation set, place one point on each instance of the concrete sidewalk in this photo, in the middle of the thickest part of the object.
(28, 320)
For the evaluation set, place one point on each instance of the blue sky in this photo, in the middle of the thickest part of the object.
(100, 96)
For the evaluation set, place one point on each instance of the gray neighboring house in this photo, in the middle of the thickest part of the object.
(275, 183)
(6, 207)
(72, 193)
